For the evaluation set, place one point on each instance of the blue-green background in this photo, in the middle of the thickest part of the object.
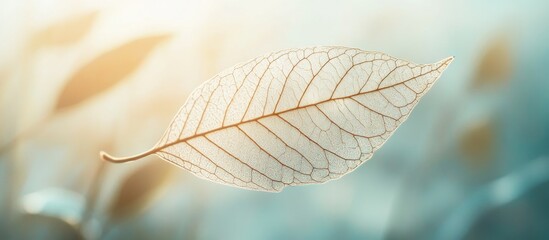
(421, 185)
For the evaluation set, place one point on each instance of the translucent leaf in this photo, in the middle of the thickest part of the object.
(106, 70)
(293, 117)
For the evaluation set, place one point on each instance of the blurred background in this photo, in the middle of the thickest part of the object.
(77, 77)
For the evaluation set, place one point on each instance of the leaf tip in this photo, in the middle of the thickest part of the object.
(444, 63)
(448, 60)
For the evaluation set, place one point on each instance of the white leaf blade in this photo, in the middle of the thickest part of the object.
(294, 117)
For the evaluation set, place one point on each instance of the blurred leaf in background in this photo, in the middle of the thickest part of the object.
(106, 70)
(478, 142)
(496, 63)
(139, 189)
(66, 32)
(97, 76)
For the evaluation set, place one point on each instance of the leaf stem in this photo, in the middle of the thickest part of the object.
(107, 157)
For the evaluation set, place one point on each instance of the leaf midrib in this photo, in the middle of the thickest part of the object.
(158, 148)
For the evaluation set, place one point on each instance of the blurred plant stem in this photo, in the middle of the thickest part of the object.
(97, 181)
(93, 194)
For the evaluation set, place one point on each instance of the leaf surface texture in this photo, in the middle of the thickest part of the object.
(294, 117)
